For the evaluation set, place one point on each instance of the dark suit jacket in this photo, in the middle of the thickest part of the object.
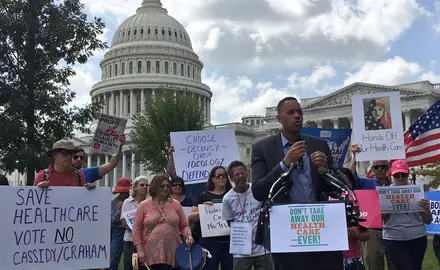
(266, 156)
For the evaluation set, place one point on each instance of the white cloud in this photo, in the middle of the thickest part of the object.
(430, 76)
(321, 73)
(313, 41)
(234, 98)
(389, 72)
(82, 83)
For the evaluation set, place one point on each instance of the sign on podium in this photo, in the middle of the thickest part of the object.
(310, 227)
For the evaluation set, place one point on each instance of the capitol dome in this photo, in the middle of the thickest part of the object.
(152, 23)
(149, 50)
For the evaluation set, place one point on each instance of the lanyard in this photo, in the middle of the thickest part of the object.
(243, 207)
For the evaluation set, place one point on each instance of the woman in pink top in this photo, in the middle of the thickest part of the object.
(157, 224)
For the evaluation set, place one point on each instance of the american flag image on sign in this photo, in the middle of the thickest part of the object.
(422, 139)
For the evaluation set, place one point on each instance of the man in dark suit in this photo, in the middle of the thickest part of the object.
(273, 156)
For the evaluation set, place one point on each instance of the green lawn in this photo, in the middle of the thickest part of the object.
(429, 263)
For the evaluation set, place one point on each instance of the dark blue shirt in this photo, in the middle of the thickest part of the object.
(369, 183)
(91, 174)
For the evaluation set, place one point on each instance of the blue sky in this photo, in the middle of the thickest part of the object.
(258, 51)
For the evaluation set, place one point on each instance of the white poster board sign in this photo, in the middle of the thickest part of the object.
(55, 228)
(308, 227)
(187, 210)
(129, 218)
(400, 199)
(106, 137)
(197, 152)
(377, 126)
(241, 238)
(211, 221)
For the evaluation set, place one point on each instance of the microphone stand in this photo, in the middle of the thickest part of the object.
(267, 204)
(351, 206)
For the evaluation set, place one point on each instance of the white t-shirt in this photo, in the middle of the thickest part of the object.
(129, 204)
(234, 205)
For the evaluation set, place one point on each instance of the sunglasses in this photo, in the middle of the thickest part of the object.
(220, 176)
(75, 157)
(177, 185)
(382, 167)
(400, 175)
(65, 153)
(164, 186)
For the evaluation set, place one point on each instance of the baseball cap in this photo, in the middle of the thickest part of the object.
(399, 166)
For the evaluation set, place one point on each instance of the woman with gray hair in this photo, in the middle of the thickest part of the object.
(138, 193)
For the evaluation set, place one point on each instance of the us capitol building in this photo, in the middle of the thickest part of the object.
(152, 49)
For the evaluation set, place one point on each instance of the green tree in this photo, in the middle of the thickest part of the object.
(433, 170)
(152, 127)
(40, 41)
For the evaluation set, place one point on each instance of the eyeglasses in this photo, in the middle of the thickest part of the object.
(400, 175)
(177, 185)
(220, 176)
(144, 185)
(76, 157)
(381, 167)
(164, 186)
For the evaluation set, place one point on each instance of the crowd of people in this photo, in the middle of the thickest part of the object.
(161, 225)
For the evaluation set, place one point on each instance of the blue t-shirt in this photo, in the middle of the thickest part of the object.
(368, 183)
(91, 174)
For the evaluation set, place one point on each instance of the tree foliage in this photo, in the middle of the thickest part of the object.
(152, 127)
(40, 41)
(433, 170)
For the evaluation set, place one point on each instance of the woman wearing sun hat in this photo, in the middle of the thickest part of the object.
(122, 188)
(61, 172)
(404, 234)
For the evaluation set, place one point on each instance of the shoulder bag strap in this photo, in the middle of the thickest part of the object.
(169, 223)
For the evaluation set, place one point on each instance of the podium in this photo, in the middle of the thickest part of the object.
(305, 227)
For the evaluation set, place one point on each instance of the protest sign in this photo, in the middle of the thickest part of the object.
(241, 238)
(400, 199)
(308, 227)
(338, 141)
(129, 217)
(211, 221)
(369, 208)
(106, 137)
(197, 152)
(377, 126)
(434, 199)
(55, 228)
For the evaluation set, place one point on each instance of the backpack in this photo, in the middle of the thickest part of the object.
(75, 171)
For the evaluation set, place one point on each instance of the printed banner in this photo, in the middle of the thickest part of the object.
(129, 218)
(106, 138)
(211, 220)
(197, 152)
(308, 227)
(434, 198)
(369, 207)
(377, 126)
(400, 199)
(338, 141)
(55, 228)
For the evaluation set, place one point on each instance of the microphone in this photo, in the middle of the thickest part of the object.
(300, 161)
(331, 179)
(342, 175)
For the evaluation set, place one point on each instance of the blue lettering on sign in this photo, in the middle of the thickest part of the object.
(33, 206)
